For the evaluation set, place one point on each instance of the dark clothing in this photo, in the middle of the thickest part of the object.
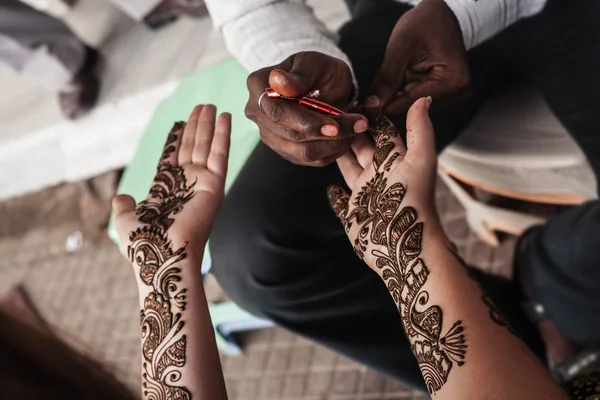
(280, 253)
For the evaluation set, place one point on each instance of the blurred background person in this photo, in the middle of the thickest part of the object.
(43, 48)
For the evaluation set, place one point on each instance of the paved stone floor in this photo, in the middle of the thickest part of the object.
(89, 297)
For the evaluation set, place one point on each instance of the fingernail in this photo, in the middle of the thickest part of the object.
(428, 101)
(372, 101)
(361, 125)
(329, 130)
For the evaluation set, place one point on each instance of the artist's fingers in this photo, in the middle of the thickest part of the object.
(364, 149)
(172, 144)
(189, 136)
(420, 137)
(204, 135)
(219, 151)
(122, 203)
(350, 168)
(338, 199)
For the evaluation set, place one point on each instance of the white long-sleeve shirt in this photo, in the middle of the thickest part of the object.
(261, 33)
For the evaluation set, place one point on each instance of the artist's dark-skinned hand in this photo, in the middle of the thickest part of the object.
(298, 134)
(425, 53)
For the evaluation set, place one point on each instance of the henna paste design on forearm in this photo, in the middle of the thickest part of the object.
(163, 337)
(497, 316)
(495, 313)
(397, 237)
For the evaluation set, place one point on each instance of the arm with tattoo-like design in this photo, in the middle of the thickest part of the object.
(164, 238)
(463, 345)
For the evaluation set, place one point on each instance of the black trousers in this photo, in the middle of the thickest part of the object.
(280, 253)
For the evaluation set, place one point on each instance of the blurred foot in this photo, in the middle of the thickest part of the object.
(83, 94)
(168, 11)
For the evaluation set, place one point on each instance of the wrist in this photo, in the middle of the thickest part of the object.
(189, 266)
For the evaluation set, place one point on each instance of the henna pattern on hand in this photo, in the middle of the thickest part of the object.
(163, 337)
(169, 189)
(397, 237)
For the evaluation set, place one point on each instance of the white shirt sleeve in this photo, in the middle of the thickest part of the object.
(479, 20)
(261, 33)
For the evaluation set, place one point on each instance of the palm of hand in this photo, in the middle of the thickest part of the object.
(191, 172)
(371, 214)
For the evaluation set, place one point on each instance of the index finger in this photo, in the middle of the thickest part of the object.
(172, 143)
(301, 124)
(219, 151)
(390, 76)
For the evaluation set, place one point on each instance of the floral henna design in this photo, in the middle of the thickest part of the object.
(496, 315)
(169, 190)
(396, 234)
(163, 337)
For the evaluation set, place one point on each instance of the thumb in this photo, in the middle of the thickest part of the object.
(289, 84)
(122, 204)
(303, 74)
(420, 138)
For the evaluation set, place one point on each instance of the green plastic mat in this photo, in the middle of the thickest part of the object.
(223, 85)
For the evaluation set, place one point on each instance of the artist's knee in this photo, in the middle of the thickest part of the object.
(239, 256)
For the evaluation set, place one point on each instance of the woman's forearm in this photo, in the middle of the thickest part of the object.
(164, 236)
(462, 344)
(179, 354)
(464, 347)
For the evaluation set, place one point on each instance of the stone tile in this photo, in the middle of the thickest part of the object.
(301, 358)
(372, 383)
(324, 359)
(256, 361)
(346, 363)
(249, 389)
(345, 382)
(278, 361)
(294, 385)
(457, 229)
(396, 388)
(479, 254)
(234, 365)
(448, 205)
(233, 388)
(271, 388)
(283, 337)
(259, 338)
(319, 383)
(418, 395)
(302, 341)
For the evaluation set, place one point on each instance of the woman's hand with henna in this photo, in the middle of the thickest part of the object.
(390, 183)
(189, 184)
(164, 237)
